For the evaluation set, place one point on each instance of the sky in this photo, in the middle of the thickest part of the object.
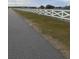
(37, 2)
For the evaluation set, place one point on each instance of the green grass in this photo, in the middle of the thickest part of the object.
(53, 27)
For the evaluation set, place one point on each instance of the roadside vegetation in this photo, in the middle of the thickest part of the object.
(56, 31)
(54, 27)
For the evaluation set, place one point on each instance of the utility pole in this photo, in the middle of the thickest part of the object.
(16, 3)
(67, 2)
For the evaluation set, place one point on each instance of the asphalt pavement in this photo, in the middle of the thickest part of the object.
(25, 43)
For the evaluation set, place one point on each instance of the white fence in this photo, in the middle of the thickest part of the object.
(63, 14)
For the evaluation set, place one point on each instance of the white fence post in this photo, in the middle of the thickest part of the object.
(62, 12)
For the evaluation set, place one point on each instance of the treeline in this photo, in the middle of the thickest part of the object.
(53, 7)
(42, 7)
(49, 7)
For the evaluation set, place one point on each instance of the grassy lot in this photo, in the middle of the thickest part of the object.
(53, 27)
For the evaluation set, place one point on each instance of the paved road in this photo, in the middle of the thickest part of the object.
(25, 43)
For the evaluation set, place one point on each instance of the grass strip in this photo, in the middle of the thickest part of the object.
(51, 26)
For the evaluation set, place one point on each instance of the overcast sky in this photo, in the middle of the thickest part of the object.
(37, 2)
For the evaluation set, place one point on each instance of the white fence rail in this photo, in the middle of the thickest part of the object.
(63, 14)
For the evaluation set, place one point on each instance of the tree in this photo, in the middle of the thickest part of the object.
(67, 7)
(50, 7)
(42, 7)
